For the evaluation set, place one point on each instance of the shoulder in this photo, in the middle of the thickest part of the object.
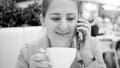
(26, 52)
(32, 48)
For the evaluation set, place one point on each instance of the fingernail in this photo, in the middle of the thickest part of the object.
(41, 50)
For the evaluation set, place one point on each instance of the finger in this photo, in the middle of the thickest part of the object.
(84, 25)
(39, 57)
(44, 64)
(83, 21)
(41, 50)
(84, 30)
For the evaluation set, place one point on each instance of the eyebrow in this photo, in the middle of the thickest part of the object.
(54, 14)
(59, 14)
(71, 14)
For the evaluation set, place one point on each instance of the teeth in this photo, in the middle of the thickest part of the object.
(62, 33)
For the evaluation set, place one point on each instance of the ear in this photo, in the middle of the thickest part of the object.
(42, 20)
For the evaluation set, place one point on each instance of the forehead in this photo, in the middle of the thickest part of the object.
(63, 6)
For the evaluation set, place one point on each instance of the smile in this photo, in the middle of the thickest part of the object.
(62, 34)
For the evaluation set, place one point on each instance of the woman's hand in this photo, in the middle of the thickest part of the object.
(40, 60)
(85, 48)
(85, 28)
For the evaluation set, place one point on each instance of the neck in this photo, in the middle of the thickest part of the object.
(61, 43)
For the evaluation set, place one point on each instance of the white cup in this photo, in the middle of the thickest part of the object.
(61, 57)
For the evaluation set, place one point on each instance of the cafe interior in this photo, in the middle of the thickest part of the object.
(103, 13)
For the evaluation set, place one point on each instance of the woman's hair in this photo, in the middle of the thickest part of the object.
(46, 4)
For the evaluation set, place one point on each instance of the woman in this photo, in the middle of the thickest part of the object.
(59, 18)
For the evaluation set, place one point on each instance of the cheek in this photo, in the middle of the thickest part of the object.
(73, 25)
(49, 25)
(73, 28)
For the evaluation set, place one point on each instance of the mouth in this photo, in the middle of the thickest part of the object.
(63, 34)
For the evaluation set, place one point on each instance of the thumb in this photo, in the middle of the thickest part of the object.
(41, 50)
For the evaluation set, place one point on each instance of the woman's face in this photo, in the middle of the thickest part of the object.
(60, 20)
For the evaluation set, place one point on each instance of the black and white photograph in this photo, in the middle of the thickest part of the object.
(59, 33)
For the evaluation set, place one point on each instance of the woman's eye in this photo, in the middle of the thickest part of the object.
(55, 19)
(70, 19)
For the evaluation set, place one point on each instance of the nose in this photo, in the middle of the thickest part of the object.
(63, 25)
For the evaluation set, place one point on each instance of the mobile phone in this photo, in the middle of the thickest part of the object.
(79, 36)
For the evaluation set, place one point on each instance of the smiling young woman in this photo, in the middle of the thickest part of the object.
(59, 18)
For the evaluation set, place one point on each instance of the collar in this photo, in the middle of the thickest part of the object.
(45, 42)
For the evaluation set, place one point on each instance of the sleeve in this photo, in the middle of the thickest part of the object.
(23, 58)
(97, 53)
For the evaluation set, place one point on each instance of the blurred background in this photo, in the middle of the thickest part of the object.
(20, 23)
